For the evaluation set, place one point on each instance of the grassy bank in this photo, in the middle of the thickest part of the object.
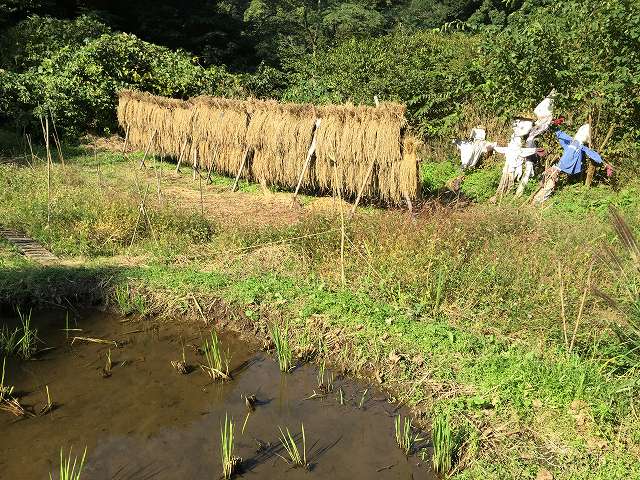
(455, 310)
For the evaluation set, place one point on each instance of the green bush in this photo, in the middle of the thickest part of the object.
(435, 175)
(78, 86)
(28, 43)
(433, 74)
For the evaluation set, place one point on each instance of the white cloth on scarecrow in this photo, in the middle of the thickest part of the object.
(471, 150)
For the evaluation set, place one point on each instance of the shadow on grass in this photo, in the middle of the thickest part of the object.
(56, 285)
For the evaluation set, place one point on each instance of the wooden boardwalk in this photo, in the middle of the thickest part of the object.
(28, 246)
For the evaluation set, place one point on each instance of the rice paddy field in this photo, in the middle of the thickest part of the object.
(482, 324)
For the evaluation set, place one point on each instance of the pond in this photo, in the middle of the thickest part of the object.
(144, 420)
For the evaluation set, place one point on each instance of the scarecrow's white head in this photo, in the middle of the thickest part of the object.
(583, 135)
(521, 127)
(478, 133)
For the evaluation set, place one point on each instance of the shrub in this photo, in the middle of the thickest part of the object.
(79, 86)
(435, 175)
(435, 77)
(28, 43)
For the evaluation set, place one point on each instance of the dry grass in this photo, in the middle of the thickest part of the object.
(359, 148)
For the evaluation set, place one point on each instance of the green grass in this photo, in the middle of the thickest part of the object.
(217, 362)
(230, 462)
(280, 337)
(22, 340)
(459, 312)
(68, 470)
(405, 438)
(442, 440)
(290, 446)
(5, 390)
(27, 343)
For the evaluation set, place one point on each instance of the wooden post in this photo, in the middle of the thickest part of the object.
(159, 178)
(48, 172)
(193, 164)
(244, 159)
(56, 139)
(184, 146)
(342, 232)
(147, 149)
(126, 140)
(362, 186)
(408, 200)
(33, 155)
(201, 198)
(312, 150)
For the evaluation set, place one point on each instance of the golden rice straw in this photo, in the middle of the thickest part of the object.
(360, 151)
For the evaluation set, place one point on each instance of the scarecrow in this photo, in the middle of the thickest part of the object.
(574, 150)
(544, 119)
(515, 154)
(472, 149)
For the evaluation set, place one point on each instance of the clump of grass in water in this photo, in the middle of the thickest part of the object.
(405, 439)
(9, 340)
(289, 444)
(67, 469)
(325, 385)
(5, 391)
(22, 340)
(230, 463)
(217, 366)
(280, 338)
(27, 343)
(442, 443)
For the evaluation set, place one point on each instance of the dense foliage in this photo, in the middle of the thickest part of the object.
(453, 62)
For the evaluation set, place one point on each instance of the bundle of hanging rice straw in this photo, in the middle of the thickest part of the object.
(357, 147)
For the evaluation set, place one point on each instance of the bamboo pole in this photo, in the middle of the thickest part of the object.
(56, 139)
(362, 187)
(338, 193)
(46, 133)
(147, 149)
(244, 159)
(312, 150)
(184, 146)
(126, 139)
(201, 197)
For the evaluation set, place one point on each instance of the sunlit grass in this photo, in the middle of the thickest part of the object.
(69, 470)
(217, 362)
(280, 337)
(442, 439)
(230, 462)
(293, 452)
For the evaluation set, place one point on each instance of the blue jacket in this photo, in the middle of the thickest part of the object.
(571, 161)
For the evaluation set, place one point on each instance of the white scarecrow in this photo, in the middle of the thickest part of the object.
(544, 118)
(472, 149)
(515, 155)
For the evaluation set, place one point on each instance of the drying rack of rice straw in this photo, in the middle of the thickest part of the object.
(356, 151)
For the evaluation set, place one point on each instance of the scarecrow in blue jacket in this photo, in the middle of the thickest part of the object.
(574, 150)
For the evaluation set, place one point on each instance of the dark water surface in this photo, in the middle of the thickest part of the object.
(146, 421)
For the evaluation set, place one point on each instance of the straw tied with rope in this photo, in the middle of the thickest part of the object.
(357, 151)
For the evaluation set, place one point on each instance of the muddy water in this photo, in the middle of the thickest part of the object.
(146, 421)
